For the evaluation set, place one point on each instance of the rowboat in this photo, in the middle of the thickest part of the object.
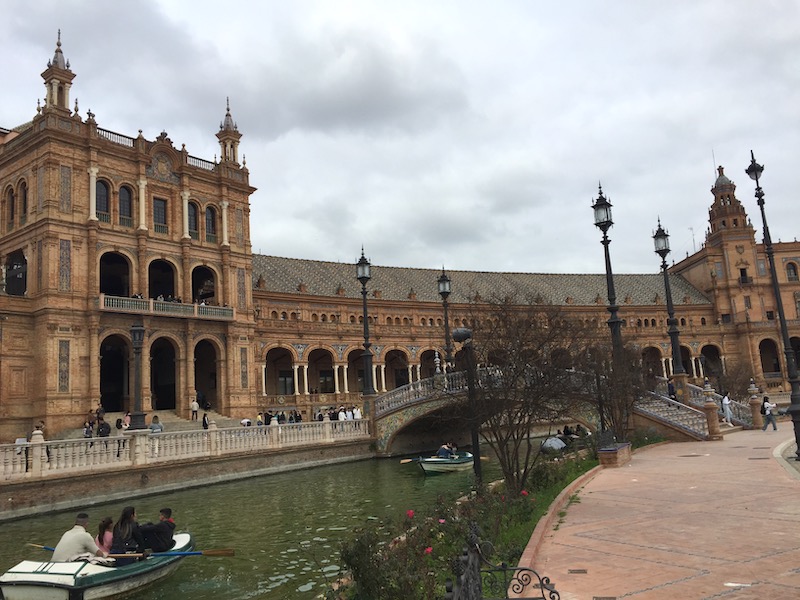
(35, 580)
(435, 465)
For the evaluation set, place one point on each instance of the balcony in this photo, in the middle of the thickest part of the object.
(745, 280)
(161, 308)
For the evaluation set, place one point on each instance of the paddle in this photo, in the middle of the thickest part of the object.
(405, 461)
(218, 552)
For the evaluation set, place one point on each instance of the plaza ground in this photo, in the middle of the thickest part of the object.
(693, 520)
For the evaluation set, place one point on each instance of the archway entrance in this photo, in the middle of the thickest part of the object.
(280, 374)
(114, 275)
(162, 280)
(203, 287)
(205, 374)
(114, 373)
(396, 369)
(163, 374)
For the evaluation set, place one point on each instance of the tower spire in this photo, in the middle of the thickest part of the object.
(57, 80)
(229, 136)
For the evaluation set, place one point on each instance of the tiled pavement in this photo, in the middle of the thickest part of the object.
(682, 521)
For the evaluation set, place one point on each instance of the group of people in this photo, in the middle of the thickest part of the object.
(447, 450)
(572, 433)
(342, 413)
(125, 536)
(96, 425)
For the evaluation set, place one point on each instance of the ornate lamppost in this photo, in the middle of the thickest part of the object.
(661, 240)
(754, 171)
(363, 276)
(137, 340)
(603, 221)
(463, 336)
(444, 292)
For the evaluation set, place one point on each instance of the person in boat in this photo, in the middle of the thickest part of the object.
(105, 535)
(127, 536)
(445, 451)
(76, 541)
(158, 536)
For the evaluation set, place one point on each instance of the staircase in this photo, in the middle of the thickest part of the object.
(673, 414)
(168, 418)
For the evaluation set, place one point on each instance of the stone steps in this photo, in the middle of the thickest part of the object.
(168, 418)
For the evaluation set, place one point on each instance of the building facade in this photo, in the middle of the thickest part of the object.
(101, 231)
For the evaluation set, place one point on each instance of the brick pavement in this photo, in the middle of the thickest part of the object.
(693, 520)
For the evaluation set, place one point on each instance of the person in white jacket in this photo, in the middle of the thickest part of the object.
(769, 414)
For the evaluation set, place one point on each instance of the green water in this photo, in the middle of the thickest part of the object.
(285, 528)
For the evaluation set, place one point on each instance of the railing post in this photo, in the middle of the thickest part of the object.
(755, 410)
(139, 439)
(710, 408)
(213, 439)
(328, 428)
(37, 453)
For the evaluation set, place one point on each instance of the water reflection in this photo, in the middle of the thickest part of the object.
(285, 527)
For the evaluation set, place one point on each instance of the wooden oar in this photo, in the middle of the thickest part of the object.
(218, 552)
(405, 461)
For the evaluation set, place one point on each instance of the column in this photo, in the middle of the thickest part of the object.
(225, 205)
(264, 379)
(418, 369)
(670, 366)
(346, 385)
(336, 379)
(294, 376)
(375, 375)
(305, 379)
(92, 193)
(142, 203)
(700, 370)
(410, 374)
(94, 359)
(185, 208)
(725, 365)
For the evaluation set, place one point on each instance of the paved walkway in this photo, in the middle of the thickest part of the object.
(682, 521)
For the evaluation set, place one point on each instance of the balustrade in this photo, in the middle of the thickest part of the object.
(164, 308)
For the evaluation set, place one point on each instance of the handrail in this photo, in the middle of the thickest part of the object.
(116, 138)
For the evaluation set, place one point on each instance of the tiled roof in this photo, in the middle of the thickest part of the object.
(320, 278)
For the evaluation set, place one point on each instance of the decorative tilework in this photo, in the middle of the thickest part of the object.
(39, 261)
(240, 226)
(243, 366)
(66, 189)
(240, 288)
(301, 349)
(340, 348)
(65, 266)
(40, 173)
(63, 365)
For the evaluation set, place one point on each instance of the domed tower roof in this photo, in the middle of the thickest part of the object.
(57, 80)
(726, 213)
(228, 123)
(229, 136)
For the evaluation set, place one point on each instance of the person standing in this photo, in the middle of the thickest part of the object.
(727, 415)
(205, 420)
(76, 541)
(768, 410)
(195, 406)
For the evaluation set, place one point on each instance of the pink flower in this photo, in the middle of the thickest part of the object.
(410, 513)
(524, 492)
(429, 549)
(441, 521)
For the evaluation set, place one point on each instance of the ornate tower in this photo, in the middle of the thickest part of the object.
(229, 137)
(57, 81)
(727, 215)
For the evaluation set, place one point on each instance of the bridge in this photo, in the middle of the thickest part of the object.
(411, 405)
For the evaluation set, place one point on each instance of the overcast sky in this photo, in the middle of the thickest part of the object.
(470, 135)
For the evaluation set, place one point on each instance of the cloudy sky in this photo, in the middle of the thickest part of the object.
(459, 133)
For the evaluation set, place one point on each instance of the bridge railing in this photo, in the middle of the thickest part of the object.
(39, 458)
(419, 391)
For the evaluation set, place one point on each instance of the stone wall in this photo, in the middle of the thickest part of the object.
(51, 494)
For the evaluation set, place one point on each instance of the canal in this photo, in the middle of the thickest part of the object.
(285, 528)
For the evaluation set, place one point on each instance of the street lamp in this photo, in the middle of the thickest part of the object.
(137, 340)
(363, 276)
(661, 240)
(463, 336)
(444, 292)
(754, 171)
(603, 221)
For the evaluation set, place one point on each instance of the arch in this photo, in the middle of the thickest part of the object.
(194, 222)
(396, 368)
(686, 360)
(116, 364)
(211, 224)
(23, 202)
(11, 208)
(321, 374)
(770, 362)
(161, 279)
(791, 272)
(164, 373)
(206, 383)
(711, 359)
(115, 274)
(279, 362)
(16, 274)
(204, 285)
(427, 361)
(102, 205)
(652, 364)
(126, 206)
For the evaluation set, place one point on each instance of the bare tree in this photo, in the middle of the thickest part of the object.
(524, 353)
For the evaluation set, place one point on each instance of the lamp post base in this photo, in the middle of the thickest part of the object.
(138, 420)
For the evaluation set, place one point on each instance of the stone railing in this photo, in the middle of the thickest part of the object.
(40, 459)
(164, 308)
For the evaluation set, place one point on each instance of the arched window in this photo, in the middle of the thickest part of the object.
(193, 228)
(702, 320)
(211, 225)
(10, 200)
(23, 203)
(103, 212)
(125, 206)
(791, 272)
